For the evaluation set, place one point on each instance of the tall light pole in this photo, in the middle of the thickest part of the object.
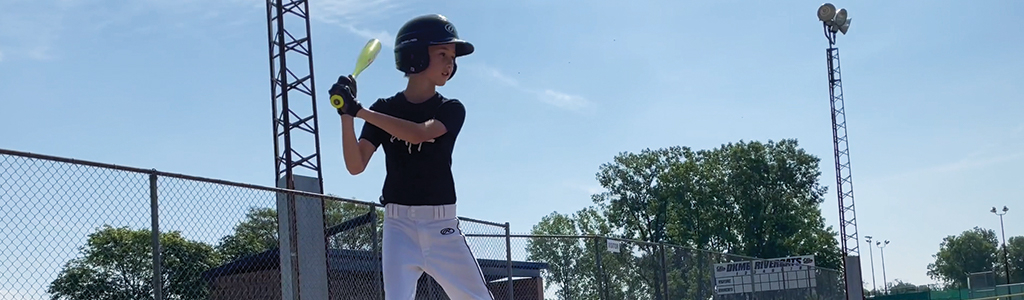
(835, 21)
(885, 281)
(874, 287)
(1006, 261)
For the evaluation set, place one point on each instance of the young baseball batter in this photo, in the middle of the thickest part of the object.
(417, 128)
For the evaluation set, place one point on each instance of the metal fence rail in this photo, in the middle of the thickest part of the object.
(75, 229)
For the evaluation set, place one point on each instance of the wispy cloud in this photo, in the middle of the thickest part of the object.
(589, 189)
(33, 29)
(30, 28)
(970, 162)
(352, 15)
(1008, 139)
(1003, 150)
(549, 96)
(497, 75)
(563, 100)
(387, 40)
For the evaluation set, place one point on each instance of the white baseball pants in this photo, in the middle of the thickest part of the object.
(420, 239)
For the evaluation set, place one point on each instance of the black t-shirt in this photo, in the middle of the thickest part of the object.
(419, 174)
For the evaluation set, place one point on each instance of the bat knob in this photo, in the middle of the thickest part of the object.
(337, 101)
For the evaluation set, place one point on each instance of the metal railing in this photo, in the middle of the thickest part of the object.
(75, 229)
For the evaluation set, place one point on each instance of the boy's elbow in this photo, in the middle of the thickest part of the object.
(355, 170)
(424, 136)
(417, 138)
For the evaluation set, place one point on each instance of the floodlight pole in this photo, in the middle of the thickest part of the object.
(844, 178)
(1006, 260)
(871, 254)
(834, 21)
(885, 283)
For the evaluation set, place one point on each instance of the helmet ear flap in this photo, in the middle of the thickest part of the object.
(412, 60)
(455, 67)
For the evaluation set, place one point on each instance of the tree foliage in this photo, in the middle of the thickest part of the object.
(1015, 255)
(117, 264)
(748, 198)
(255, 234)
(898, 286)
(573, 267)
(258, 232)
(970, 252)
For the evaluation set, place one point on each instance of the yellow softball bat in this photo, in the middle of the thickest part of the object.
(366, 57)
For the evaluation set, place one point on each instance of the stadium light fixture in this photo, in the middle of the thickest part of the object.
(836, 20)
(826, 12)
(1006, 260)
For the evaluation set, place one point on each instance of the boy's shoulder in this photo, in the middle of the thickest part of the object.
(388, 100)
(399, 99)
(453, 101)
(385, 103)
(446, 100)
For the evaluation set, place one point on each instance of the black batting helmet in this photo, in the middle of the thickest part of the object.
(416, 35)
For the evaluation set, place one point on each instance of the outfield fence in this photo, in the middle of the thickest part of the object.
(76, 229)
(999, 292)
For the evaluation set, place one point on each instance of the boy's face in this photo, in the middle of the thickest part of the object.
(442, 61)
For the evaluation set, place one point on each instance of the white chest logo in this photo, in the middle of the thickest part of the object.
(419, 147)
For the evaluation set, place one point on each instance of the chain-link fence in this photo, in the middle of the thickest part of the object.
(83, 230)
(592, 267)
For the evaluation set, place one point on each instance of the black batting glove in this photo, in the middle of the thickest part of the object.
(343, 96)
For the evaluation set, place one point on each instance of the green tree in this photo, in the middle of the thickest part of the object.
(640, 190)
(117, 264)
(751, 199)
(776, 196)
(1015, 254)
(898, 286)
(572, 261)
(258, 232)
(748, 198)
(972, 251)
(564, 256)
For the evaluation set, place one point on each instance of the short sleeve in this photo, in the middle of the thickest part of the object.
(371, 132)
(452, 114)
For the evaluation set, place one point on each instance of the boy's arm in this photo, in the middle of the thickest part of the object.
(357, 153)
(411, 132)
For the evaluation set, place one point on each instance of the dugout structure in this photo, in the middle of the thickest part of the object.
(355, 274)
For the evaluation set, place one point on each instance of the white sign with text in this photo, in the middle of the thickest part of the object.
(765, 275)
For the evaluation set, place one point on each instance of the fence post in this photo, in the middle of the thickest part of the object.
(753, 281)
(784, 289)
(508, 260)
(664, 272)
(155, 229)
(601, 284)
(373, 251)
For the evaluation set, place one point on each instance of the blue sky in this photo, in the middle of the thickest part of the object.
(554, 90)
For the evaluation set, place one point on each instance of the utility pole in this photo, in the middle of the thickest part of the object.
(885, 281)
(1006, 260)
(871, 254)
